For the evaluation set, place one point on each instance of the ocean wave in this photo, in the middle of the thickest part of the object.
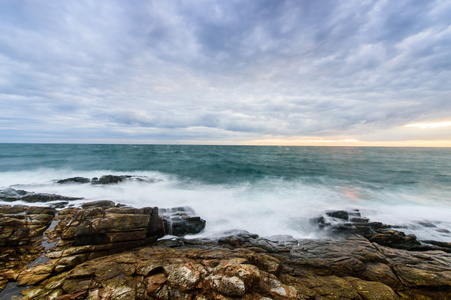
(269, 206)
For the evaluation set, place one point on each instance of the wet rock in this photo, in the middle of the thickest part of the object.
(342, 258)
(35, 275)
(180, 221)
(242, 238)
(444, 246)
(347, 223)
(101, 203)
(415, 269)
(74, 180)
(110, 179)
(8, 209)
(11, 195)
(395, 239)
(339, 214)
(34, 210)
(427, 223)
(59, 205)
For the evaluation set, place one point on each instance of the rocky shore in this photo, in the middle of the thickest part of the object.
(104, 250)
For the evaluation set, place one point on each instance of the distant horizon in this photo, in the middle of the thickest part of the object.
(237, 144)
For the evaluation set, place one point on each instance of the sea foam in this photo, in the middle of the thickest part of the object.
(270, 206)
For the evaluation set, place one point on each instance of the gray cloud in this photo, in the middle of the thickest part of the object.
(215, 70)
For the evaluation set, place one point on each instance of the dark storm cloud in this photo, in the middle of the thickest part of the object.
(180, 70)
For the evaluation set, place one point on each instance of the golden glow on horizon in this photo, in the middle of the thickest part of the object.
(347, 142)
(430, 125)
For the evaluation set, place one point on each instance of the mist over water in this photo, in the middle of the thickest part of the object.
(265, 190)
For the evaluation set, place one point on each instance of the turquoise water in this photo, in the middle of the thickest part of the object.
(266, 190)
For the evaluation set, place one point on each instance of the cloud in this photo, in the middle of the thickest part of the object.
(215, 70)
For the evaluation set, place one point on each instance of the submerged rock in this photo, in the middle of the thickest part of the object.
(11, 195)
(114, 179)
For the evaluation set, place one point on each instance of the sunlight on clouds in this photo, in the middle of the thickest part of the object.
(430, 125)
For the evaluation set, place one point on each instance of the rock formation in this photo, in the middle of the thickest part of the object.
(107, 251)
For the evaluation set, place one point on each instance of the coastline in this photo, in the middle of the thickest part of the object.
(107, 251)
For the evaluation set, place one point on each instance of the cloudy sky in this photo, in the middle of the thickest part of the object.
(226, 72)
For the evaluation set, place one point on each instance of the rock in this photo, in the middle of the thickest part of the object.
(216, 274)
(101, 203)
(34, 210)
(114, 179)
(229, 286)
(35, 274)
(339, 214)
(7, 209)
(88, 233)
(180, 221)
(96, 257)
(154, 283)
(74, 180)
(110, 179)
(370, 290)
(444, 246)
(184, 276)
(347, 223)
(395, 239)
(11, 195)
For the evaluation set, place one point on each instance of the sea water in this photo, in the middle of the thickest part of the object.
(268, 190)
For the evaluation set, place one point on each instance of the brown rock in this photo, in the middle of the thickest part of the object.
(229, 286)
(117, 288)
(184, 276)
(154, 283)
(35, 274)
(371, 290)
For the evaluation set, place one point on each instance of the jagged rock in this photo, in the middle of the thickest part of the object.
(35, 275)
(20, 242)
(346, 223)
(341, 269)
(84, 263)
(92, 232)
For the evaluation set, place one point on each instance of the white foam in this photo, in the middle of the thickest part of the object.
(268, 207)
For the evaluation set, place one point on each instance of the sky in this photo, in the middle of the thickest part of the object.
(260, 72)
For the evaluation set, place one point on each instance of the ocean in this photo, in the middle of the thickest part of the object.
(267, 190)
